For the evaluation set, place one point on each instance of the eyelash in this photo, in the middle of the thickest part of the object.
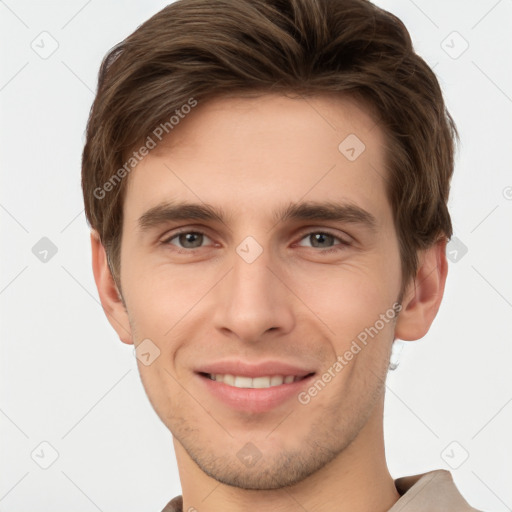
(167, 241)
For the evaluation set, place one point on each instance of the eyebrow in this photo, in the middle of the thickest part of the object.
(301, 211)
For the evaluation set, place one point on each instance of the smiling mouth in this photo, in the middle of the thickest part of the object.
(240, 381)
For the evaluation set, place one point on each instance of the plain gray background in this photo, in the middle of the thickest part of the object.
(68, 382)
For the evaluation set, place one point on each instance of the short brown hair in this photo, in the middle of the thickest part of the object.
(202, 49)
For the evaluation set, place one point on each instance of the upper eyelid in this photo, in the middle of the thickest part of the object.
(327, 231)
(179, 231)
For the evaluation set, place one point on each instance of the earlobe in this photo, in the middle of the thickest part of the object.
(110, 297)
(424, 294)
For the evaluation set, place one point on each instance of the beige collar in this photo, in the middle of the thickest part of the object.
(430, 491)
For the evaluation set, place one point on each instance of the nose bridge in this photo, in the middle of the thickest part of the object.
(252, 299)
(251, 277)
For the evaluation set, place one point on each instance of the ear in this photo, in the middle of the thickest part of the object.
(110, 297)
(423, 295)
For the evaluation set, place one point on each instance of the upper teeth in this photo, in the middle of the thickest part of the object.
(257, 382)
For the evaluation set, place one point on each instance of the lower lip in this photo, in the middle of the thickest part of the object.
(254, 399)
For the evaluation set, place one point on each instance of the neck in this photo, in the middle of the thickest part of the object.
(357, 480)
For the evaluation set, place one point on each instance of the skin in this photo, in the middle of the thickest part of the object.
(250, 156)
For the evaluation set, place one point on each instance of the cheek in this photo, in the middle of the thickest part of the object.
(349, 297)
(158, 297)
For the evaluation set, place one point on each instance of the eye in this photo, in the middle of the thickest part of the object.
(323, 240)
(187, 239)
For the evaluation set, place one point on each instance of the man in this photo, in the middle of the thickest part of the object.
(267, 186)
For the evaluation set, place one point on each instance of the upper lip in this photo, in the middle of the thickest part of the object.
(263, 369)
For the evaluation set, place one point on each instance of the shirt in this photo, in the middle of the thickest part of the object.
(434, 491)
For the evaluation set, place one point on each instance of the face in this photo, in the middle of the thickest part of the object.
(289, 257)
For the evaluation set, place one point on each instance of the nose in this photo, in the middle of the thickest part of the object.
(253, 300)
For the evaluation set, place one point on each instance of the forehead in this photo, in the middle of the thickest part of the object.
(247, 152)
